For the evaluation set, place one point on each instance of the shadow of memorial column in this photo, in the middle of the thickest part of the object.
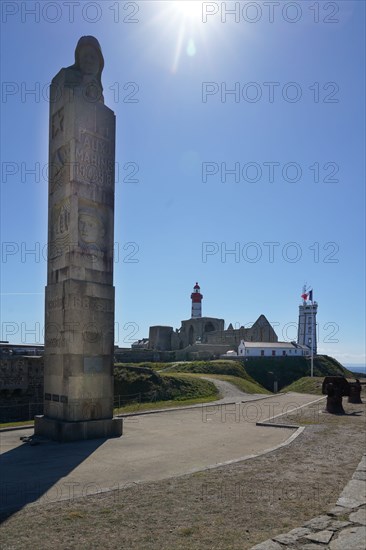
(33, 473)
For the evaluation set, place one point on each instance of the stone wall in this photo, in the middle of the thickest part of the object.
(21, 374)
(21, 387)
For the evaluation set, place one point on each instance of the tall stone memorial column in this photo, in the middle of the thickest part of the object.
(79, 306)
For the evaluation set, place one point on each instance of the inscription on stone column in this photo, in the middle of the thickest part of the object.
(73, 301)
(90, 302)
(94, 160)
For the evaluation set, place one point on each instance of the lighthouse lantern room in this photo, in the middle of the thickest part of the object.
(196, 297)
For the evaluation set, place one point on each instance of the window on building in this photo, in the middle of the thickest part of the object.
(262, 352)
(273, 352)
(283, 353)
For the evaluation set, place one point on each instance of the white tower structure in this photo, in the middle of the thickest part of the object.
(306, 334)
(196, 298)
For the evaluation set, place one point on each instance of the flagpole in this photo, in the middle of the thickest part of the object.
(312, 361)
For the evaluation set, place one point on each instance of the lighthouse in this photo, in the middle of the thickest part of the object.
(196, 297)
(307, 321)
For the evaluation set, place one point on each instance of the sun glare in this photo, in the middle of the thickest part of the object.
(189, 9)
(180, 23)
(189, 14)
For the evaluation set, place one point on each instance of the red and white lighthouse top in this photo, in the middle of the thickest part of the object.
(196, 296)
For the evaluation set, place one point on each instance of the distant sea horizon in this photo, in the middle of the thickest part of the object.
(355, 367)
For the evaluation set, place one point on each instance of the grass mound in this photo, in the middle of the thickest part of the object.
(306, 384)
(309, 384)
(141, 384)
(229, 368)
(183, 386)
(286, 370)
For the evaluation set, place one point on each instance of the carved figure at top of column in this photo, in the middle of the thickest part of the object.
(86, 72)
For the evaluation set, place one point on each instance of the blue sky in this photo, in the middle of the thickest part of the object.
(298, 155)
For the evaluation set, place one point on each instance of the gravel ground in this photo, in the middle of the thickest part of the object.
(231, 507)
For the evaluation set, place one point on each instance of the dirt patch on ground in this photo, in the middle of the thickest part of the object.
(233, 507)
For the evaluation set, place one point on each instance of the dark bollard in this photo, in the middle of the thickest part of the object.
(355, 392)
(334, 400)
(335, 387)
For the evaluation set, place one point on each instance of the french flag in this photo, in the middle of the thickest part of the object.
(307, 296)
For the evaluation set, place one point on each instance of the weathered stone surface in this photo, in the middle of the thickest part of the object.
(359, 516)
(79, 306)
(359, 474)
(292, 536)
(320, 522)
(362, 464)
(353, 495)
(310, 546)
(336, 525)
(321, 536)
(350, 538)
(299, 532)
(339, 511)
(267, 545)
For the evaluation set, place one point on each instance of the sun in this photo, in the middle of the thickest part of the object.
(189, 9)
(188, 14)
(181, 23)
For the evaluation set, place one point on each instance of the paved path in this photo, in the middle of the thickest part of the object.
(228, 391)
(153, 447)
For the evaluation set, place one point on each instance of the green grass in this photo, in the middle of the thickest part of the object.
(15, 424)
(183, 386)
(306, 385)
(143, 384)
